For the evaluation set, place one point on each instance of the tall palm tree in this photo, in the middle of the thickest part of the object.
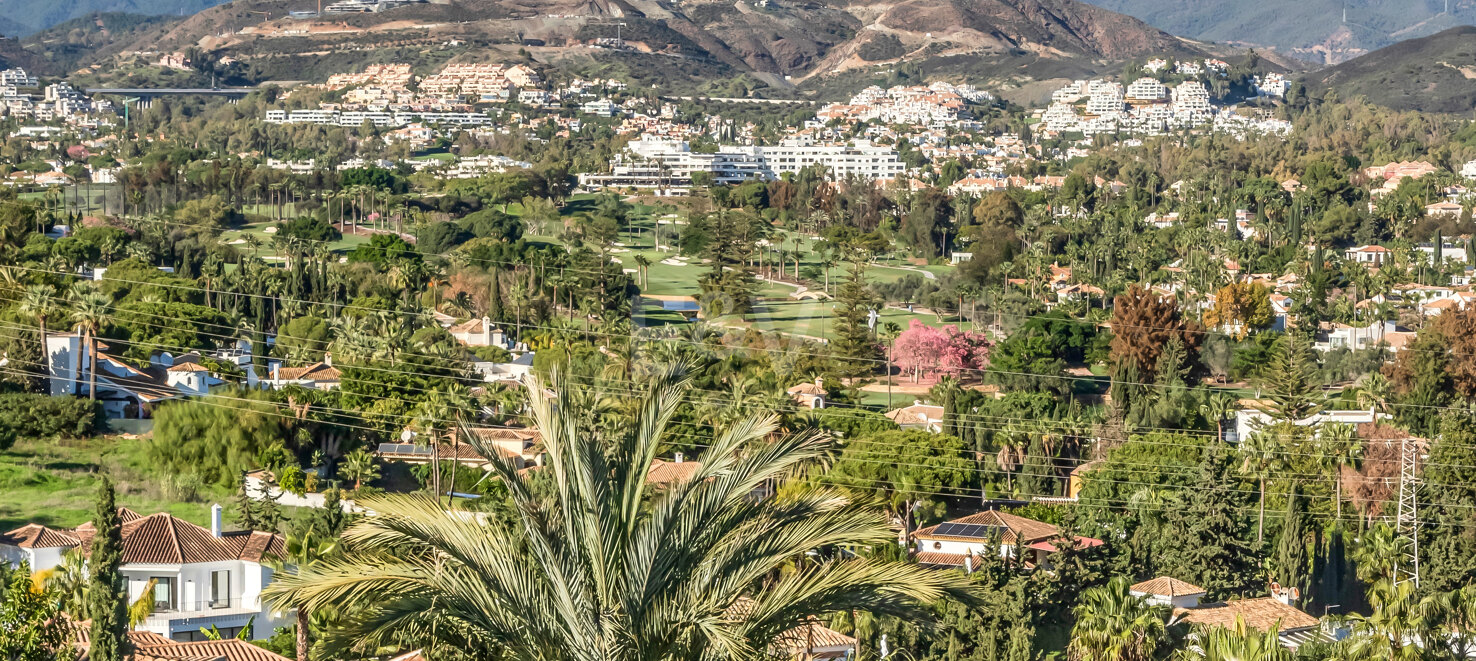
(39, 301)
(605, 567)
(1218, 408)
(359, 466)
(1114, 625)
(1339, 446)
(1260, 456)
(302, 555)
(91, 310)
(1234, 643)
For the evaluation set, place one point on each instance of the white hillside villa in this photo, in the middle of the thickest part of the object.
(125, 391)
(202, 578)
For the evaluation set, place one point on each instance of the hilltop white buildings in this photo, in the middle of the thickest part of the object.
(1146, 107)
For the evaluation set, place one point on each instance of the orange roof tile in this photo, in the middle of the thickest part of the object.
(1260, 614)
(1167, 586)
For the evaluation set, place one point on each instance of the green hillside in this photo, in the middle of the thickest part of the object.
(1434, 74)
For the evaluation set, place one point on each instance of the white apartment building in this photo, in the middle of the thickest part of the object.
(1146, 89)
(1469, 170)
(670, 163)
(1191, 99)
(1106, 99)
(380, 118)
(18, 78)
(201, 578)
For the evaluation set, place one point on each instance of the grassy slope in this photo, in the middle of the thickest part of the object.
(54, 482)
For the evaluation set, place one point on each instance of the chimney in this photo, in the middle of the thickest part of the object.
(277, 371)
(968, 564)
(328, 358)
(820, 382)
(215, 527)
(917, 402)
(679, 457)
(487, 331)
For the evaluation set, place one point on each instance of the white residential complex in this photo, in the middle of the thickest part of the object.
(671, 163)
(381, 118)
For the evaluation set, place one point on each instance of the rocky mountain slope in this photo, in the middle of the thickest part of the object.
(781, 42)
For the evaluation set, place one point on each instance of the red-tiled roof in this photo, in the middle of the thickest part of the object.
(672, 472)
(1018, 527)
(36, 536)
(314, 372)
(229, 649)
(1261, 614)
(1167, 586)
(164, 539)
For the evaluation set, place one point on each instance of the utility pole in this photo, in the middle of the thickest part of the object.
(1407, 522)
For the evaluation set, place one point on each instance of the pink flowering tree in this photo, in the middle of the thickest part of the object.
(922, 349)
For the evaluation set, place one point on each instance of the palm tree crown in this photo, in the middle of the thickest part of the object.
(606, 568)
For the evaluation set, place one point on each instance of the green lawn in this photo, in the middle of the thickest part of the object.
(55, 483)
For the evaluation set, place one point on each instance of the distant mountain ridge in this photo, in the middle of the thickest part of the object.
(1311, 29)
(26, 17)
(1433, 74)
(782, 42)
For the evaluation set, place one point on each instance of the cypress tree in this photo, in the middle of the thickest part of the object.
(1291, 548)
(107, 602)
(494, 297)
(854, 345)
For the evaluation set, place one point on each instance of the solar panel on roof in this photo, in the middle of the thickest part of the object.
(968, 530)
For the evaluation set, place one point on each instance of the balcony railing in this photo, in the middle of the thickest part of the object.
(204, 607)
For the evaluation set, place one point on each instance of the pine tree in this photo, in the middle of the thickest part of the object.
(1290, 381)
(854, 346)
(1209, 541)
(107, 600)
(246, 508)
(1291, 548)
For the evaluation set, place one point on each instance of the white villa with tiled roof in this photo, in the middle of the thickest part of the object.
(956, 543)
(202, 577)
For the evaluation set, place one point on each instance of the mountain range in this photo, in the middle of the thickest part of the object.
(20, 18)
(1322, 31)
(781, 43)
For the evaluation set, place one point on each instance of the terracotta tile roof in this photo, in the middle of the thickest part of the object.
(917, 414)
(255, 545)
(1166, 586)
(188, 367)
(469, 326)
(810, 636)
(1049, 546)
(806, 389)
(1261, 614)
(314, 372)
(164, 539)
(672, 472)
(230, 649)
(937, 559)
(37, 536)
(1019, 527)
(504, 434)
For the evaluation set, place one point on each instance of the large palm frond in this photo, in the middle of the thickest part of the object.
(597, 563)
